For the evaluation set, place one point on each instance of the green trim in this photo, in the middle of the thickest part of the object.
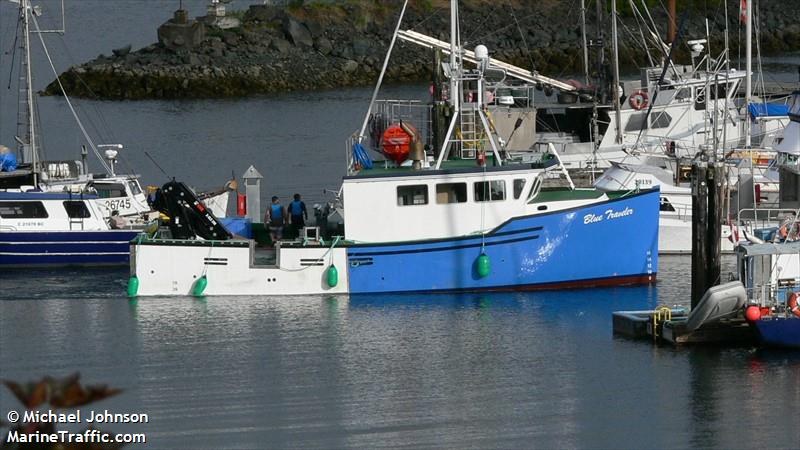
(450, 167)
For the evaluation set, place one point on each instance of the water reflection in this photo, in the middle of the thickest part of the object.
(490, 369)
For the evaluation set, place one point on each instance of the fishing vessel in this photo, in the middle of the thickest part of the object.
(50, 229)
(419, 221)
(772, 270)
(48, 217)
(771, 274)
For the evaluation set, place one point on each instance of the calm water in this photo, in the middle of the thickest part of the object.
(501, 370)
(498, 370)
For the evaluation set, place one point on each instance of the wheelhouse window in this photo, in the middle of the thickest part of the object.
(536, 187)
(110, 190)
(665, 205)
(660, 120)
(134, 187)
(451, 193)
(76, 209)
(412, 195)
(23, 210)
(490, 191)
(636, 122)
(684, 94)
(519, 185)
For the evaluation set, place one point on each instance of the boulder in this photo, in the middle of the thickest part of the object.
(315, 28)
(230, 38)
(280, 45)
(122, 51)
(323, 45)
(349, 66)
(298, 33)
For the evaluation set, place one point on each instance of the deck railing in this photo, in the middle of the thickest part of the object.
(755, 218)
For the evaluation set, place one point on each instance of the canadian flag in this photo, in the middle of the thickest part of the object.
(743, 11)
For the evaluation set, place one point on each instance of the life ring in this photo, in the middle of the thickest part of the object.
(792, 304)
(638, 100)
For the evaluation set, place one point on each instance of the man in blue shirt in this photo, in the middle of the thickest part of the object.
(275, 217)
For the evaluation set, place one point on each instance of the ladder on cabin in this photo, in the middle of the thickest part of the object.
(471, 135)
(76, 223)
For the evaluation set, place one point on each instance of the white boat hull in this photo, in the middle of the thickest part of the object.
(230, 270)
(675, 237)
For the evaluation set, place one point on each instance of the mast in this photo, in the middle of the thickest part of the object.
(748, 69)
(26, 128)
(454, 49)
(672, 29)
(456, 97)
(714, 121)
(615, 87)
(585, 43)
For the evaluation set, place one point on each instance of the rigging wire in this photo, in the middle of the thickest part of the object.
(69, 103)
(483, 22)
(757, 26)
(105, 131)
(14, 53)
(435, 13)
(522, 35)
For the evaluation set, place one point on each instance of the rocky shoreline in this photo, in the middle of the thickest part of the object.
(270, 49)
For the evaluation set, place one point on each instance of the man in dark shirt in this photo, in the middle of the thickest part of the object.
(298, 213)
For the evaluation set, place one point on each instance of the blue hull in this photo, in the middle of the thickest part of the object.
(779, 332)
(65, 248)
(609, 243)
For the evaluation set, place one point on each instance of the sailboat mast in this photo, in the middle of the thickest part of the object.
(672, 25)
(748, 83)
(28, 133)
(615, 87)
(585, 43)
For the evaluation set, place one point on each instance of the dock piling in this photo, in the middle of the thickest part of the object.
(707, 199)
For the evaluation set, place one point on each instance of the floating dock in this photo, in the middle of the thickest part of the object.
(669, 326)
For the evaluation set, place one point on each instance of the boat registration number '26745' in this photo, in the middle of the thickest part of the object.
(118, 204)
(607, 215)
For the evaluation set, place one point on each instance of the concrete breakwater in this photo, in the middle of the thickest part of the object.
(268, 49)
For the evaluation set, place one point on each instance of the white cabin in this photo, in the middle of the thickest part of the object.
(437, 204)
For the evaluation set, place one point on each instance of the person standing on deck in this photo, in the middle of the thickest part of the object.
(298, 213)
(275, 217)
